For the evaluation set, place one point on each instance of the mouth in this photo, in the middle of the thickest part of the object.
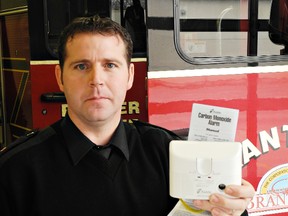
(97, 98)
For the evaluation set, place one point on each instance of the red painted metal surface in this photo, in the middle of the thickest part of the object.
(43, 81)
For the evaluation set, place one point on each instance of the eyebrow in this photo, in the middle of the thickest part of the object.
(113, 60)
(78, 61)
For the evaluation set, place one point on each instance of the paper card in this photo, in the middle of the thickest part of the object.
(213, 123)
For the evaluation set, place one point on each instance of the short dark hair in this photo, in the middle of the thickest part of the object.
(97, 25)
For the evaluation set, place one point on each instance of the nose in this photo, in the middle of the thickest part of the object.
(96, 77)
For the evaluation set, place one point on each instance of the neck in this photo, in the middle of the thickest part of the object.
(99, 132)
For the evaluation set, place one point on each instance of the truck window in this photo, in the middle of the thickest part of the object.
(231, 31)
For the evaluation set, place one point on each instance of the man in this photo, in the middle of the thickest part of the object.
(90, 162)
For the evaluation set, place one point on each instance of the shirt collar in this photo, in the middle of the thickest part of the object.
(79, 145)
(119, 140)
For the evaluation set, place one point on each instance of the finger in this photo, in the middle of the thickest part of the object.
(223, 212)
(245, 190)
(203, 204)
(227, 204)
(217, 210)
(221, 201)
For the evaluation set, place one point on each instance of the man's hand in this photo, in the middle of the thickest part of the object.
(220, 205)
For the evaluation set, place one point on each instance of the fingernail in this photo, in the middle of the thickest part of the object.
(214, 199)
(229, 190)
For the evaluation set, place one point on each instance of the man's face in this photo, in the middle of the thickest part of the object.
(95, 78)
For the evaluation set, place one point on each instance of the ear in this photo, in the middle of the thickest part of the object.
(130, 76)
(58, 75)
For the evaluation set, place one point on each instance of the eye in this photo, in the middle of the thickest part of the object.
(81, 67)
(110, 65)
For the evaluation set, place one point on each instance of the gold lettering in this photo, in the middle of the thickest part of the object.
(130, 107)
(129, 120)
(133, 107)
(124, 108)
